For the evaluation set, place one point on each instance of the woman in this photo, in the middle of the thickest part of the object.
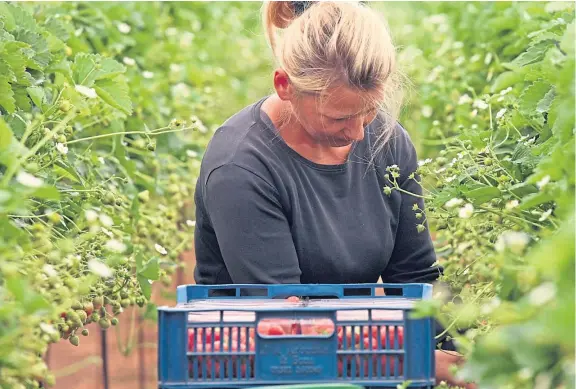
(291, 187)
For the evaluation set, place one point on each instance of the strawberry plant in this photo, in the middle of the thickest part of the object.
(495, 123)
(100, 142)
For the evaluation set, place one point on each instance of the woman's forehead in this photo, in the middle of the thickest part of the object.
(345, 101)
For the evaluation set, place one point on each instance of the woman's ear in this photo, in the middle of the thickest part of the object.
(283, 86)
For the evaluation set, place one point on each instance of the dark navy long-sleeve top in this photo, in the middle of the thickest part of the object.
(265, 214)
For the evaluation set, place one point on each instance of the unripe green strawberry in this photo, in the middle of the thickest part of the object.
(88, 308)
(82, 315)
(50, 380)
(114, 321)
(85, 332)
(75, 340)
(125, 303)
(95, 317)
(104, 323)
(98, 302)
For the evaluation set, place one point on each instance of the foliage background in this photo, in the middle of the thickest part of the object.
(105, 109)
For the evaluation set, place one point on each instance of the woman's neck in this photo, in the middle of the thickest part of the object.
(298, 138)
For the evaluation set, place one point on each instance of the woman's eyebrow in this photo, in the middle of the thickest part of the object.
(349, 116)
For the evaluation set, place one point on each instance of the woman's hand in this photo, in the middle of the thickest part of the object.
(445, 359)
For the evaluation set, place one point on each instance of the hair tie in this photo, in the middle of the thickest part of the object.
(300, 6)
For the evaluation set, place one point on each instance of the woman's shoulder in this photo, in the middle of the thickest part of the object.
(240, 141)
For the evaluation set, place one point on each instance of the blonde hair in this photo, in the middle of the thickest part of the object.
(333, 43)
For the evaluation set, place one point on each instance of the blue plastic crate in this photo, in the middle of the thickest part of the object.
(202, 341)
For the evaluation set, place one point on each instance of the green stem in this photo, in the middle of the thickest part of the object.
(12, 169)
(126, 133)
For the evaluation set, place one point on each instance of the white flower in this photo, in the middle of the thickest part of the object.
(453, 203)
(543, 182)
(530, 141)
(181, 90)
(91, 215)
(29, 180)
(427, 111)
(450, 179)
(186, 39)
(62, 148)
(129, 61)
(160, 249)
(115, 246)
(88, 92)
(190, 223)
(101, 160)
(464, 99)
(512, 240)
(424, 162)
(480, 104)
(512, 204)
(500, 113)
(466, 211)
(49, 270)
(191, 153)
(171, 31)
(48, 328)
(490, 306)
(441, 170)
(124, 28)
(475, 58)
(147, 74)
(488, 59)
(106, 220)
(460, 155)
(436, 123)
(459, 61)
(99, 268)
(545, 215)
(175, 68)
(474, 113)
(542, 294)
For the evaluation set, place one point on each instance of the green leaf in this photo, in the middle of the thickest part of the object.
(115, 92)
(6, 135)
(36, 93)
(532, 96)
(145, 286)
(7, 100)
(506, 79)
(546, 102)
(47, 193)
(567, 43)
(558, 6)
(523, 189)
(22, 100)
(6, 71)
(139, 260)
(22, 18)
(84, 69)
(63, 172)
(38, 44)
(6, 15)
(150, 270)
(109, 68)
(14, 55)
(16, 286)
(533, 54)
(482, 195)
(535, 199)
(57, 29)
